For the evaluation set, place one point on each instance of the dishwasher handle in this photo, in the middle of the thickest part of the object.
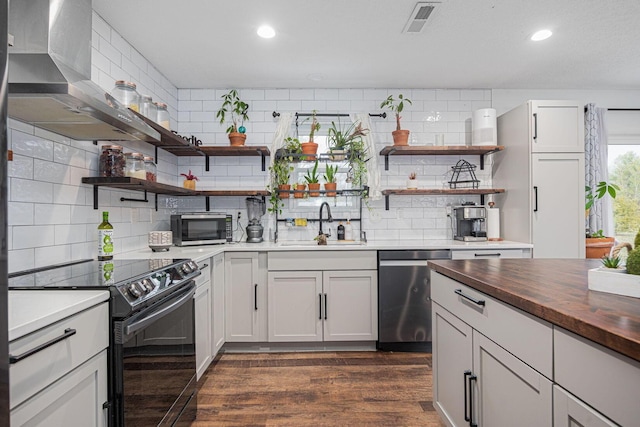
(399, 263)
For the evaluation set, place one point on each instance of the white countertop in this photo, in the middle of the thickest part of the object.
(30, 310)
(199, 253)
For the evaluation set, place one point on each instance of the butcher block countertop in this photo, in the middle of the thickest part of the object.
(555, 290)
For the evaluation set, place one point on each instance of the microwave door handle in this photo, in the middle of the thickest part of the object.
(145, 321)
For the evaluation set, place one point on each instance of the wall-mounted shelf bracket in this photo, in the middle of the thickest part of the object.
(127, 199)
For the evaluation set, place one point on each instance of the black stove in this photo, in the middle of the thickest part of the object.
(133, 283)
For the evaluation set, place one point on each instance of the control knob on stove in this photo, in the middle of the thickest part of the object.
(147, 286)
(186, 268)
(134, 291)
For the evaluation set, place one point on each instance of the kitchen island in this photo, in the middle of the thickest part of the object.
(528, 334)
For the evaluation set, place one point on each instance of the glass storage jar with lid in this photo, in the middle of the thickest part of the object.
(126, 93)
(135, 166)
(148, 107)
(150, 169)
(112, 162)
(163, 118)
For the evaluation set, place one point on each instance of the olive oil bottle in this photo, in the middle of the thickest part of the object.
(105, 238)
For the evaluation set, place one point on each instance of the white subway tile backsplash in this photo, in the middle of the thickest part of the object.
(31, 146)
(32, 236)
(276, 94)
(49, 214)
(67, 234)
(23, 190)
(20, 213)
(52, 255)
(20, 167)
(19, 260)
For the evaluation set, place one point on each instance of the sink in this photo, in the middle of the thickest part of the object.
(334, 243)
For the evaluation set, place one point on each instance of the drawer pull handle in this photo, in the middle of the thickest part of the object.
(204, 266)
(255, 296)
(497, 254)
(472, 299)
(67, 333)
(320, 306)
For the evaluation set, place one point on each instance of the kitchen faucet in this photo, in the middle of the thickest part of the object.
(329, 218)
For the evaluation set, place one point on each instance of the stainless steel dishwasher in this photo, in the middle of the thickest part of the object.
(404, 299)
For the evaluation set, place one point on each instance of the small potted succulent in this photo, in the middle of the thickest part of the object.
(412, 182)
(612, 263)
(234, 107)
(330, 183)
(400, 136)
(310, 147)
(189, 180)
(313, 181)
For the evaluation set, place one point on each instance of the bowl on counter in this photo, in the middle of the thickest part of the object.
(160, 241)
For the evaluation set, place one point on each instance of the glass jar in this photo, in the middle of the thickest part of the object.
(135, 166)
(112, 162)
(147, 107)
(126, 93)
(162, 118)
(150, 169)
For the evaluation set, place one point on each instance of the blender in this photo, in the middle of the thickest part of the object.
(255, 210)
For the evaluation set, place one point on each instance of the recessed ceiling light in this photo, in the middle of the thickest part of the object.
(266, 32)
(541, 35)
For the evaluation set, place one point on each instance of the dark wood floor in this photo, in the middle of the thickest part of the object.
(318, 389)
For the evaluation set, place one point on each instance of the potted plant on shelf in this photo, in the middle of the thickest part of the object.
(412, 182)
(299, 190)
(291, 149)
(400, 136)
(310, 147)
(189, 180)
(597, 244)
(233, 106)
(330, 183)
(279, 187)
(313, 181)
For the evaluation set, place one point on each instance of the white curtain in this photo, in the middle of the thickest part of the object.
(282, 131)
(595, 153)
(373, 170)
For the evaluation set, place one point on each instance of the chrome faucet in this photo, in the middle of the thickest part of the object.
(329, 217)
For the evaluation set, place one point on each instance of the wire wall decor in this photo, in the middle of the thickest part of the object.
(463, 175)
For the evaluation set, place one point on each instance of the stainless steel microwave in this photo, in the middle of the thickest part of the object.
(205, 228)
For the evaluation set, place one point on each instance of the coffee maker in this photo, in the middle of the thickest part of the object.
(255, 210)
(470, 223)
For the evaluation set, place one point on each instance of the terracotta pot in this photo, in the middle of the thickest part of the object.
(284, 187)
(237, 138)
(400, 137)
(299, 187)
(597, 247)
(309, 148)
(190, 184)
(316, 187)
(330, 188)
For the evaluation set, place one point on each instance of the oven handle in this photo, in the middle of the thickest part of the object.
(145, 321)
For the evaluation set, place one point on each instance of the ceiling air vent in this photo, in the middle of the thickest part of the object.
(419, 17)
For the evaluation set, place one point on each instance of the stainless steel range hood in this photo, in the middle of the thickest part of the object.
(50, 83)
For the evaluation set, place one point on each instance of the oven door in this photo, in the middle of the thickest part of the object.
(154, 364)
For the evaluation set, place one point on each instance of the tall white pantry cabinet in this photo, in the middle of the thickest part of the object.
(542, 172)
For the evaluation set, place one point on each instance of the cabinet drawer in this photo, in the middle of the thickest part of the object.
(604, 379)
(322, 260)
(205, 271)
(525, 336)
(486, 253)
(32, 374)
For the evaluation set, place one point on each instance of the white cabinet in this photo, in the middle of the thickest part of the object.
(542, 172)
(322, 305)
(569, 411)
(203, 318)
(64, 383)
(483, 371)
(218, 312)
(245, 297)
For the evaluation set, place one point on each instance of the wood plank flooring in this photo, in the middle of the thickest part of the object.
(318, 389)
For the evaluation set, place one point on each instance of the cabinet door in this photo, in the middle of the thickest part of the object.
(295, 306)
(202, 304)
(507, 392)
(558, 206)
(452, 358)
(246, 298)
(557, 127)
(351, 305)
(75, 400)
(217, 297)
(569, 411)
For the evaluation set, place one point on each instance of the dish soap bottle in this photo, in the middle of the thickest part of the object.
(105, 238)
(340, 231)
(348, 231)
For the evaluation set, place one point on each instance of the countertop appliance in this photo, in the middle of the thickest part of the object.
(404, 299)
(255, 210)
(470, 223)
(152, 365)
(201, 228)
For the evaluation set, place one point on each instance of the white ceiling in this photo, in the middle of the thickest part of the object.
(360, 44)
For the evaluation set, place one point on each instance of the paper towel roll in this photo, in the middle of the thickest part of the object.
(484, 127)
(493, 224)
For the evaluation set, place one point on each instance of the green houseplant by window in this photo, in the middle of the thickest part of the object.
(234, 109)
(400, 136)
(597, 244)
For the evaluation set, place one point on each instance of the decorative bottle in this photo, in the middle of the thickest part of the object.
(340, 231)
(105, 238)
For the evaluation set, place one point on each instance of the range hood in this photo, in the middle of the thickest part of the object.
(49, 76)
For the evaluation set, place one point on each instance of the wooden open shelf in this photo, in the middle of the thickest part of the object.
(228, 150)
(439, 192)
(431, 150)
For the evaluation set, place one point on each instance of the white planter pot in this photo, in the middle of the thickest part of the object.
(412, 184)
